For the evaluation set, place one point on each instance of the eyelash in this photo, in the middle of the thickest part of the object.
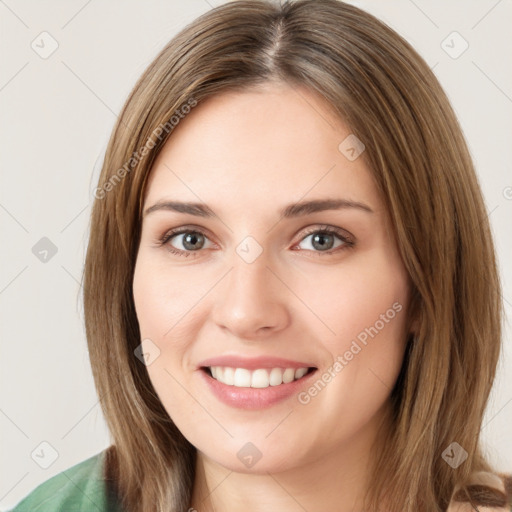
(348, 243)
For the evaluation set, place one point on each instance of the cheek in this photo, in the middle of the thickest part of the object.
(365, 304)
(164, 299)
(170, 306)
(368, 292)
(363, 308)
(162, 302)
(158, 305)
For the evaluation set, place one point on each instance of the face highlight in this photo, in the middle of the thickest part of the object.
(269, 279)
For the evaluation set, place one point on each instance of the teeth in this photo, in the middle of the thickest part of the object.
(300, 372)
(276, 376)
(261, 378)
(242, 378)
(229, 376)
(288, 375)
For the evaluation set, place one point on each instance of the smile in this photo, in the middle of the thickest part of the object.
(258, 378)
(255, 382)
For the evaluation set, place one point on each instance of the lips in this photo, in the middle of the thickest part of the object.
(254, 383)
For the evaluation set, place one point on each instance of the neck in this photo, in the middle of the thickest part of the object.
(336, 480)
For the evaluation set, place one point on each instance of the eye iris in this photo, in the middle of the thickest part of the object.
(190, 241)
(319, 241)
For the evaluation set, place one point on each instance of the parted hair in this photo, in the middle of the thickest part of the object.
(414, 147)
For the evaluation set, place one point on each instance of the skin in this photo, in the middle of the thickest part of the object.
(247, 155)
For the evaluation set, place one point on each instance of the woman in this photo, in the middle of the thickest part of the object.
(291, 293)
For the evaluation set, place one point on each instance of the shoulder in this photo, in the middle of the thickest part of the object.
(490, 492)
(81, 487)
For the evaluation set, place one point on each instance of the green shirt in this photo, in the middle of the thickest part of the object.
(81, 488)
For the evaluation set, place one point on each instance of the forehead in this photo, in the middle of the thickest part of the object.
(271, 144)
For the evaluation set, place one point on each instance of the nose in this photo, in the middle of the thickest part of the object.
(251, 303)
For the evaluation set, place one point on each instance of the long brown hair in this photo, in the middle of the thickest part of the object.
(388, 96)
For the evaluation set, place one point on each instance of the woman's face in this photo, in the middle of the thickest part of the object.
(253, 285)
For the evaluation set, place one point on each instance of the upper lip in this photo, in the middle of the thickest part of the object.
(253, 363)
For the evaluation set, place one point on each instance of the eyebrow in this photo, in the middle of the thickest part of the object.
(289, 211)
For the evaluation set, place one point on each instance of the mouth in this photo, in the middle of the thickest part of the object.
(254, 383)
(260, 378)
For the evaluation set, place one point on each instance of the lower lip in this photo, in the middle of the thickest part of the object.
(254, 398)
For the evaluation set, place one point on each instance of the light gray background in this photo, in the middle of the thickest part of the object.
(56, 117)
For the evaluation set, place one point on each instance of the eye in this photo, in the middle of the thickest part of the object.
(323, 240)
(185, 241)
